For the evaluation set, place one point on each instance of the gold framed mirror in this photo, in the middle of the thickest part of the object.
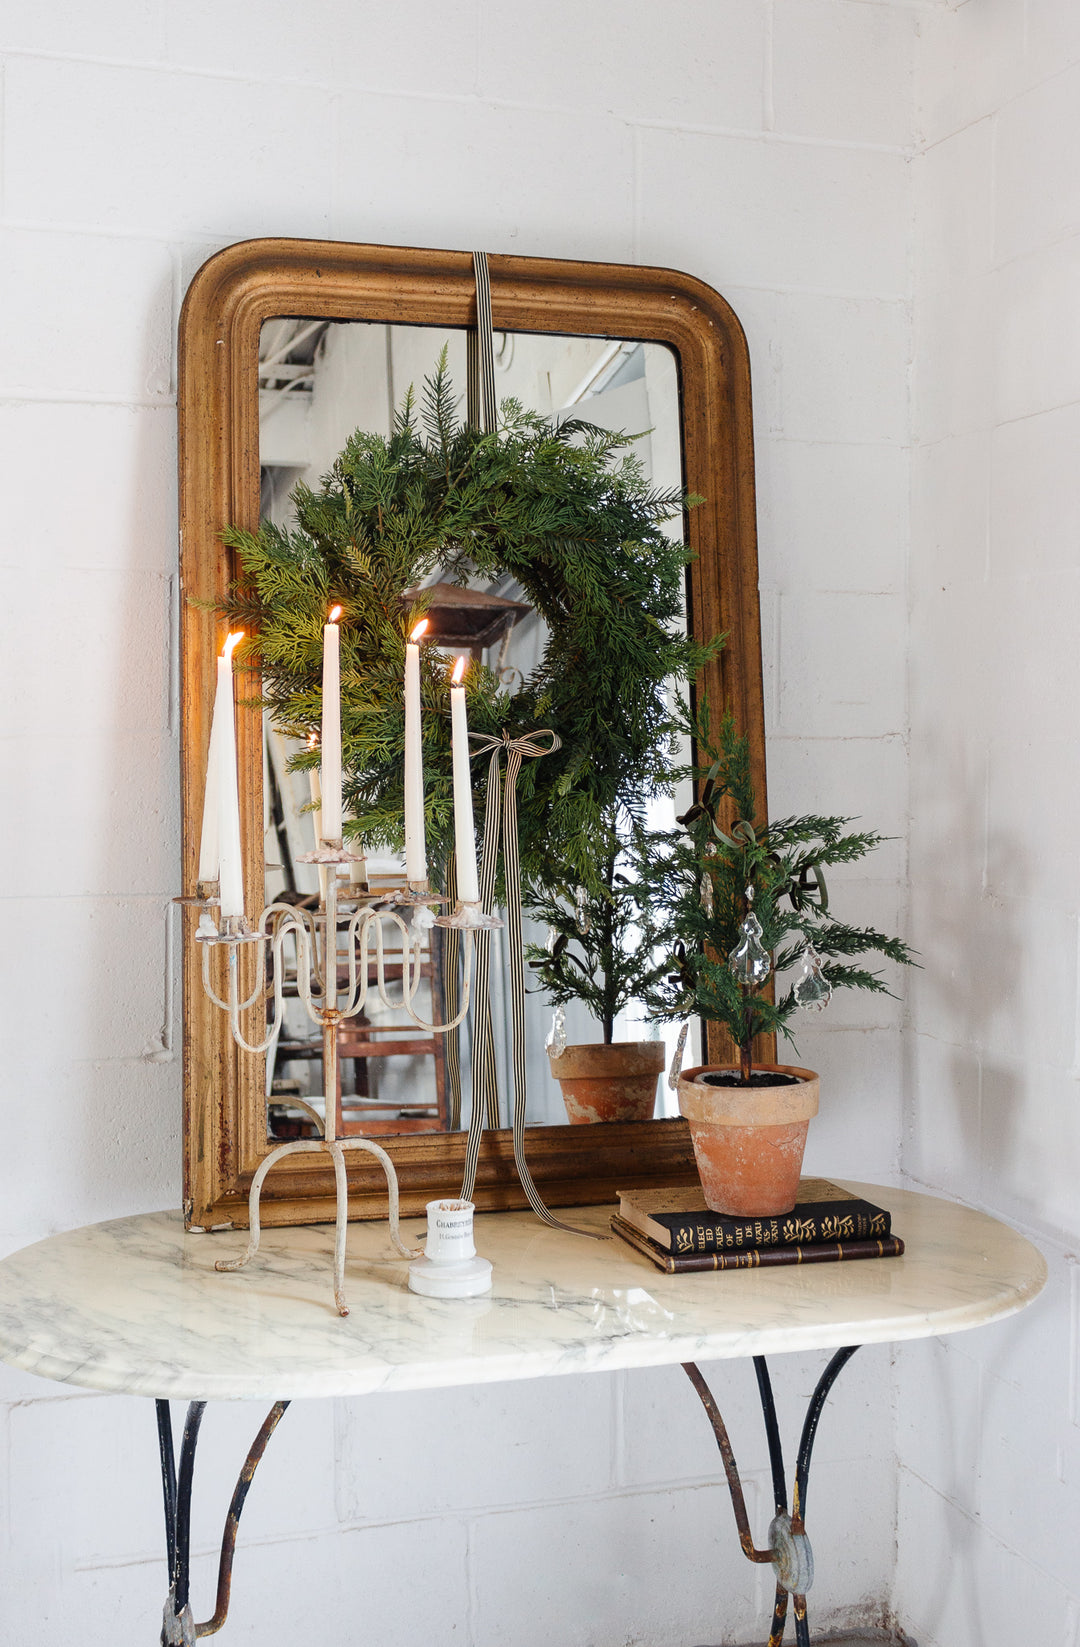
(234, 296)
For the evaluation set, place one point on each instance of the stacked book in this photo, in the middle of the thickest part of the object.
(675, 1230)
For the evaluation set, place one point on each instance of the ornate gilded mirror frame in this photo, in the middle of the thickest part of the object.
(226, 305)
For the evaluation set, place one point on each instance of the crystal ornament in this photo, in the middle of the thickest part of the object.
(812, 990)
(551, 940)
(581, 913)
(556, 1041)
(748, 962)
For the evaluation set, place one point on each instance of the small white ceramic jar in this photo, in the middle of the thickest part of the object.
(450, 1267)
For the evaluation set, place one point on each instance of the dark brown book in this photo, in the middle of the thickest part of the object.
(679, 1221)
(821, 1252)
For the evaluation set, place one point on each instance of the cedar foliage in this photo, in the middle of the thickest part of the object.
(565, 510)
(695, 879)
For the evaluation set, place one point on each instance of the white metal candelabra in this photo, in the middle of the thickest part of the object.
(318, 956)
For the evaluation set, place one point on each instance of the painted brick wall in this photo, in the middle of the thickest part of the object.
(989, 1440)
(759, 144)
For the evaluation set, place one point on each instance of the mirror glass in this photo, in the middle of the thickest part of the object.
(319, 380)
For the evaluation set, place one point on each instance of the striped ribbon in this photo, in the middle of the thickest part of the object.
(480, 414)
(451, 972)
(503, 800)
(480, 354)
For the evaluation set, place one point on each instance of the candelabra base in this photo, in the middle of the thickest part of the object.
(335, 1148)
(469, 915)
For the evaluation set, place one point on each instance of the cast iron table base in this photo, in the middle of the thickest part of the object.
(788, 1552)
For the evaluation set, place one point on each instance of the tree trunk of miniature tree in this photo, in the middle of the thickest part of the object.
(746, 1045)
(607, 953)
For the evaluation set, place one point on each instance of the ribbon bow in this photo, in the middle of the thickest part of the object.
(500, 821)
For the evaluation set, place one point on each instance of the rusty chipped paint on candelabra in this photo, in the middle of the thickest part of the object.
(327, 1006)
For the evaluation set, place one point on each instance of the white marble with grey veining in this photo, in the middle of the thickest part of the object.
(135, 1305)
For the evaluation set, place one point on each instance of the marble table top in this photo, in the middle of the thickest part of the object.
(135, 1304)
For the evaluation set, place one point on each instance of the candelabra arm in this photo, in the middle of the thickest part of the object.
(236, 1007)
(359, 938)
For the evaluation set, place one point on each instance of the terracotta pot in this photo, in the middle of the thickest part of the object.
(749, 1143)
(615, 1083)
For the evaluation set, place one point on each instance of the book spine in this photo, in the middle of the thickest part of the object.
(828, 1252)
(806, 1227)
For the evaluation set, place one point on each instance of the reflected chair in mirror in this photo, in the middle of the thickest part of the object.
(359, 1109)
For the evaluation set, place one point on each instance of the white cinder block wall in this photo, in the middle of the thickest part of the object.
(765, 145)
(989, 1441)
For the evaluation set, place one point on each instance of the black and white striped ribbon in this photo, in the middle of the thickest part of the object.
(480, 357)
(480, 414)
(451, 970)
(504, 801)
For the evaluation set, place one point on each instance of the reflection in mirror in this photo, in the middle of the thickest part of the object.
(319, 381)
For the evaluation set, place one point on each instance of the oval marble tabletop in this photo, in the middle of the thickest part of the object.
(136, 1305)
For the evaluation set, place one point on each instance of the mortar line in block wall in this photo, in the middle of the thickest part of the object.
(796, 140)
(472, 1585)
(468, 1517)
(79, 397)
(1073, 1265)
(211, 1550)
(404, 93)
(977, 1524)
(635, 194)
(1072, 1623)
(3, 145)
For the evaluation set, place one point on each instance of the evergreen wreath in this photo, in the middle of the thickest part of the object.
(561, 507)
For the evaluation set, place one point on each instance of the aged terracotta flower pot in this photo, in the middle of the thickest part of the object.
(609, 1083)
(749, 1142)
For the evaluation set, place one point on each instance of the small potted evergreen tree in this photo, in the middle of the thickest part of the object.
(601, 951)
(738, 901)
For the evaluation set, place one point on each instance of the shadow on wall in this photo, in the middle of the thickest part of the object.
(127, 1107)
(974, 990)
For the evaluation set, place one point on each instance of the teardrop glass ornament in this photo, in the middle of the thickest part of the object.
(556, 1040)
(581, 913)
(749, 963)
(552, 937)
(812, 990)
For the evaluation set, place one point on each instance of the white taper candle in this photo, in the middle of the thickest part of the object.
(464, 833)
(330, 741)
(416, 869)
(315, 790)
(230, 858)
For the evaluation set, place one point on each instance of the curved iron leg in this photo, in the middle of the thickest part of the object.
(802, 1469)
(168, 1478)
(184, 1479)
(178, 1626)
(809, 1429)
(789, 1551)
(772, 1434)
(232, 1520)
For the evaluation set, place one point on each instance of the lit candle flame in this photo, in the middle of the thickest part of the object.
(313, 741)
(231, 642)
(335, 613)
(419, 630)
(459, 670)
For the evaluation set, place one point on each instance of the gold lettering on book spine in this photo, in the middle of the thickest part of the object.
(684, 1241)
(877, 1224)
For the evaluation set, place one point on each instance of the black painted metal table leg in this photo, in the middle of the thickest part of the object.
(178, 1627)
(789, 1550)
